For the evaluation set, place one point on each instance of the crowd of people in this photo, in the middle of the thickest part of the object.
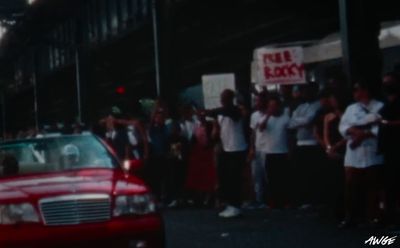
(304, 146)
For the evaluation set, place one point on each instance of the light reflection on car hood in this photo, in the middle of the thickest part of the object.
(94, 181)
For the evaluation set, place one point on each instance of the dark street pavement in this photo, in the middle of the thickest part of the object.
(264, 228)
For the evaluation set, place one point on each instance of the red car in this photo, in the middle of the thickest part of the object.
(71, 191)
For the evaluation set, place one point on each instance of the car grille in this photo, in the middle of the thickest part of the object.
(75, 209)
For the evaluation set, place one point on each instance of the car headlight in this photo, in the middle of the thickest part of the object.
(134, 205)
(16, 213)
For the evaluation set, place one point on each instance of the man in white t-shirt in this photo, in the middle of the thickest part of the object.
(274, 126)
(257, 151)
(232, 158)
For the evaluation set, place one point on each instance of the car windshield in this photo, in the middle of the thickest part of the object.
(53, 155)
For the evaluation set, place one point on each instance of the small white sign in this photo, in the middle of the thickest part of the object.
(213, 86)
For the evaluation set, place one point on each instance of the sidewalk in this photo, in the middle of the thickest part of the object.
(281, 229)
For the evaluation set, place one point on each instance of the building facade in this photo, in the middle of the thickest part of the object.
(59, 50)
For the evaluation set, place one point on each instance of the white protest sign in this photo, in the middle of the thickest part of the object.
(280, 66)
(213, 86)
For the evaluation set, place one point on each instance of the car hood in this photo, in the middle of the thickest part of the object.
(90, 181)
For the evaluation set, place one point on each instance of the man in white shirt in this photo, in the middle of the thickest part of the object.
(359, 125)
(232, 159)
(308, 154)
(274, 125)
(257, 151)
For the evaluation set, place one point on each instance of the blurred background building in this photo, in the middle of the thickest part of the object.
(63, 58)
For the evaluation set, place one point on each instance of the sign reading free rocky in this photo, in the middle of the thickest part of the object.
(280, 66)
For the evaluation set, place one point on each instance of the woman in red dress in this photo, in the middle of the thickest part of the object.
(202, 178)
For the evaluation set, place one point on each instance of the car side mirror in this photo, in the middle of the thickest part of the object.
(133, 166)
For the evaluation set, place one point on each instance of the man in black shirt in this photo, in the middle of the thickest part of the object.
(389, 136)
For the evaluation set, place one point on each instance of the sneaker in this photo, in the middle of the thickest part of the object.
(230, 212)
(223, 212)
(173, 204)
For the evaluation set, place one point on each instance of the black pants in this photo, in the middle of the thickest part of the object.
(176, 178)
(336, 186)
(278, 171)
(230, 173)
(155, 175)
(361, 193)
(309, 174)
(392, 185)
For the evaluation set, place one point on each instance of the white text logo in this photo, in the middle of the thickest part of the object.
(384, 240)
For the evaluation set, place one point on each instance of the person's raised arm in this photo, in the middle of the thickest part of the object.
(215, 130)
(212, 112)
